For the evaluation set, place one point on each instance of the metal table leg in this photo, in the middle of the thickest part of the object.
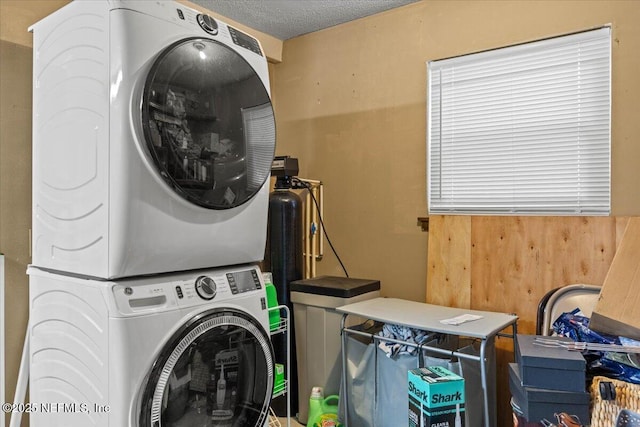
(483, 379)
(345, 396)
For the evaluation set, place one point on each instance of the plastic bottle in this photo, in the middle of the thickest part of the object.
(321, 412)
(272, 301)
(315, 405)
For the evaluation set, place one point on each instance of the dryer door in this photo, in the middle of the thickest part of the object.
(216, 371)
(208, 123)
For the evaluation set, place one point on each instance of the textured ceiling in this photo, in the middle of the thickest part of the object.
(285, 19)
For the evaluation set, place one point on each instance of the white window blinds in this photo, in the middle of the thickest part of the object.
(523, 129)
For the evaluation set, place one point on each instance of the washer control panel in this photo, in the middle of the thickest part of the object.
(184, 290)
(243, 281)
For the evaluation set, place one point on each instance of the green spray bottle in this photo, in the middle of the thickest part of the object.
(321, 412)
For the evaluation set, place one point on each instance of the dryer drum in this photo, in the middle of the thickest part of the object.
(217, 370)
(208, 123)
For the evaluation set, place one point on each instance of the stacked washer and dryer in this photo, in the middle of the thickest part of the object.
(153, 138)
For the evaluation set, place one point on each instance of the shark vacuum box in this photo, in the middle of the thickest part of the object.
(436, 398)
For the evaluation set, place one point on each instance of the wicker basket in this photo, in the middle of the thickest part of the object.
(604, 412)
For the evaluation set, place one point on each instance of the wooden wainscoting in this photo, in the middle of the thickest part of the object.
(508, 263)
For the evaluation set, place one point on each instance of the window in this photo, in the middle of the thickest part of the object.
(523, 129)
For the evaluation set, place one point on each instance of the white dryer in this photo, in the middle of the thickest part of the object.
(179, 350)
(153, 137)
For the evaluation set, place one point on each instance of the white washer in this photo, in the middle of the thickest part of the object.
(153, 137)
(188, 349)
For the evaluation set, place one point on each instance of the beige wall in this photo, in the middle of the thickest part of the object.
(350, 103)
(15, 196)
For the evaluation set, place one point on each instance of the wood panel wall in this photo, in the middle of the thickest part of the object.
(507, 264)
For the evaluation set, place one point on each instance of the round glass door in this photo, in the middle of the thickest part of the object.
(208, 123)
(216, 372)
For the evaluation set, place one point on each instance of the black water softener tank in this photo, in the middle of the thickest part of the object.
(284, 258)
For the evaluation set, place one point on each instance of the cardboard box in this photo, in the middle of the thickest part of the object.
(537, 404)
(553, 368)
(436, 398)
(617, 311)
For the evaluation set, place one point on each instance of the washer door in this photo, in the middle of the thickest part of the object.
(208, 123)
(216, 371)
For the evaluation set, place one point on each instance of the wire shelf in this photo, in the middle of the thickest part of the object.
(282, 389)
(273, 419)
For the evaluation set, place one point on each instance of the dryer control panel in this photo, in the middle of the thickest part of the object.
(210, 25)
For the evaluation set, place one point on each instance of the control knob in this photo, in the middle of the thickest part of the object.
(206, 287)
(208, 24)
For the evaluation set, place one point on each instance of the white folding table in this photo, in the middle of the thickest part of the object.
(427, 317)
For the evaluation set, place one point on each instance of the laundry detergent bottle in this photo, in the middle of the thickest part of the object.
(272, 301)
(321, 412)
